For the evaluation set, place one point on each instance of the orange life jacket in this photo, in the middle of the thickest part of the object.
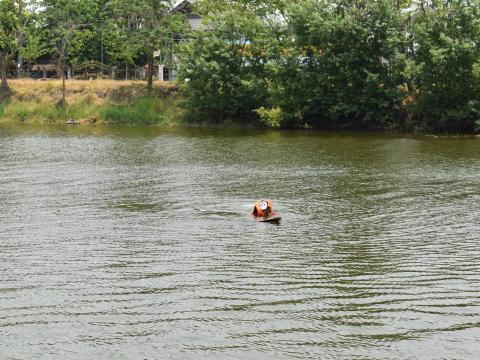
(257, 210)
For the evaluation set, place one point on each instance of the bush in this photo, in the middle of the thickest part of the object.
(147, 111)
(271, 117)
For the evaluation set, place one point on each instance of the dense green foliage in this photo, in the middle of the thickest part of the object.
(349, 62)
(445, 67)
(365, 64)
(223, 71)
(320, 63)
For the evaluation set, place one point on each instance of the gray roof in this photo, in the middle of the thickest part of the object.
(180, 5)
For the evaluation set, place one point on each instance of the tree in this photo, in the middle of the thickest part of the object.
(223, 70)
(351, 62)
(65, 22)
(9, 24)
(121, 43)
(149, 24)
(34, 45)
(444, 65)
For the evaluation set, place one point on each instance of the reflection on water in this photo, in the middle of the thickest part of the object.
(137, 243)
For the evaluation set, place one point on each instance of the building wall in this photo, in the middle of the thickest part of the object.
(195, 22)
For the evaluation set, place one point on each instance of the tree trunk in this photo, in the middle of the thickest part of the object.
(60, 67)
(61, 59)
(63, 88)
(150, 74)
(126, 71)
(3, 72)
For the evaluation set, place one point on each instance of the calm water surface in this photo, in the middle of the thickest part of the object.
(137, 244)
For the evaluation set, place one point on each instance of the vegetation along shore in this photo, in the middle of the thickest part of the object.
(371, 64)
(91, 102)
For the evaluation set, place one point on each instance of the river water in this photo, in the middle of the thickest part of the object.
(138, 244)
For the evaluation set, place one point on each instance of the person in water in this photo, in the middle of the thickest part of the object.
(263, 208)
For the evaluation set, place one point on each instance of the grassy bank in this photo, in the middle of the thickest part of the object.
(91, 102)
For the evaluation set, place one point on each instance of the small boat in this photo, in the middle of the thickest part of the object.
(274, 219)
(262, 211)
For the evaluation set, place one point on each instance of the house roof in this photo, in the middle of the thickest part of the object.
(183, 5)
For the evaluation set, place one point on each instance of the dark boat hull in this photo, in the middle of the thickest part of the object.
(271, 219)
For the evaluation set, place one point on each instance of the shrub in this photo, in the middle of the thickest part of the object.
(146, 111)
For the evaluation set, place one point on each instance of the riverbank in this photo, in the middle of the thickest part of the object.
(92, 102)
(120, 102)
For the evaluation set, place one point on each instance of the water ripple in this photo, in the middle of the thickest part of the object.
(138, 243)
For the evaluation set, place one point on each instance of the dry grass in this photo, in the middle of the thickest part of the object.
(49, 91)
(37, 101)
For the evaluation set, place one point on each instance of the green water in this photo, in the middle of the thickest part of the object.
(136, 243)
